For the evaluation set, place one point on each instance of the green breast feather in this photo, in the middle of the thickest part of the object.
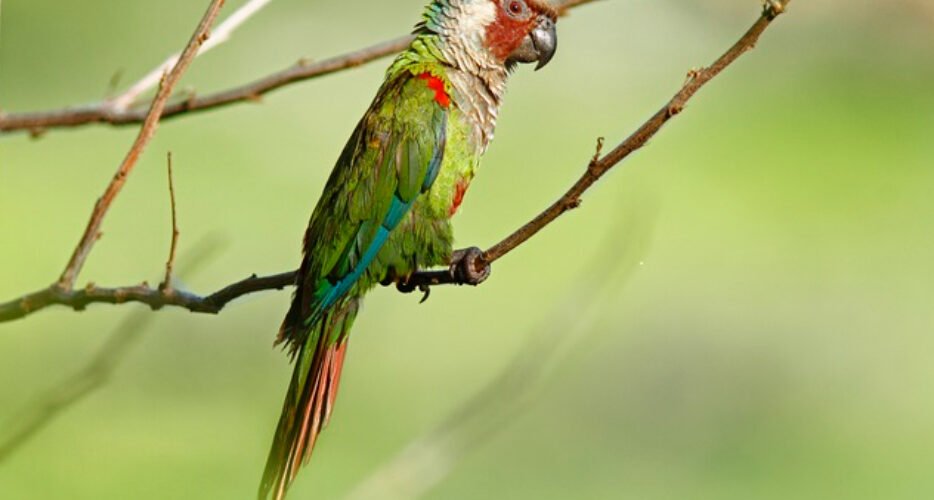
(386, 207)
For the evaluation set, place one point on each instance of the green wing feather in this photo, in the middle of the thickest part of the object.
(391, 159)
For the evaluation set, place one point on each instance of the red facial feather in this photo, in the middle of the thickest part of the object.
(505, 34)
(436, 84)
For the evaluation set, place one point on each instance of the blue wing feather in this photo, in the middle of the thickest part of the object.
(330, 290)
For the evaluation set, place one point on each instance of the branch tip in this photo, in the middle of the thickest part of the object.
(166, 284)
(774, 8)
(598, 152)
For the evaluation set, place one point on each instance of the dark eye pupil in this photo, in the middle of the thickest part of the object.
(515, 7)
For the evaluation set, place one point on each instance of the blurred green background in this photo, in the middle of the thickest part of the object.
(774, 340)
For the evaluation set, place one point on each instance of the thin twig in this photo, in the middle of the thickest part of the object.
(79, 299)
(166, 284)
(147, 131)
(224, 30)
(103, 112)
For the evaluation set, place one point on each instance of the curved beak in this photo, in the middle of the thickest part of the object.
(545, 39)
(539, 45)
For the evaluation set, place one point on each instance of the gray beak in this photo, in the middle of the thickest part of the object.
(545, 39)
(539, 45)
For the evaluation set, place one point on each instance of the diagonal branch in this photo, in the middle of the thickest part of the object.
(224, 30)
(105, 112)
(597, 168)
(147, 131)
(600, 165)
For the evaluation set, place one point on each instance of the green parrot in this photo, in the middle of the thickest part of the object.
(386, 208)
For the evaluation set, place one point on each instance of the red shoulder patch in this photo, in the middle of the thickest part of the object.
(437, 84)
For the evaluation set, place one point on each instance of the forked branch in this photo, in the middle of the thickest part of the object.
(601, 164)
(118, 111)
(146, 132)
(595, 169)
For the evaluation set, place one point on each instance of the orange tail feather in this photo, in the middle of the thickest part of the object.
(310, 398)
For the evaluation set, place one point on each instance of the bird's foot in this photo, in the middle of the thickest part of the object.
(468, 267)
(408, 285)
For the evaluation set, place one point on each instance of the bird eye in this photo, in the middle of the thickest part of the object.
(516, 8)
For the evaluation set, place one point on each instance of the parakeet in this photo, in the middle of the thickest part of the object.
(386, 207)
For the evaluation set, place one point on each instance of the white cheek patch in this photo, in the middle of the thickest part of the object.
(475, 16)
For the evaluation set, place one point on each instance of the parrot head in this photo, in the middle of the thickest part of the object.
(493, 33)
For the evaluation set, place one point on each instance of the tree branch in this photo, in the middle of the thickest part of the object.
(124, 101)
(597, 168)
(600, 165)
(106, 112)
(147, 131)
(144, 294)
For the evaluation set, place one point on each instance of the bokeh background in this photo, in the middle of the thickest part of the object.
(744, 308)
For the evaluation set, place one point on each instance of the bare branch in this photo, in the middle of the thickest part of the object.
(144, 294)
(600, 165)
(124, 101)
(173, 247)
(104, 112)
(147, 131)
(596, 168)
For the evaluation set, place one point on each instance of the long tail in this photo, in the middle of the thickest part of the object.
(310, 398)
